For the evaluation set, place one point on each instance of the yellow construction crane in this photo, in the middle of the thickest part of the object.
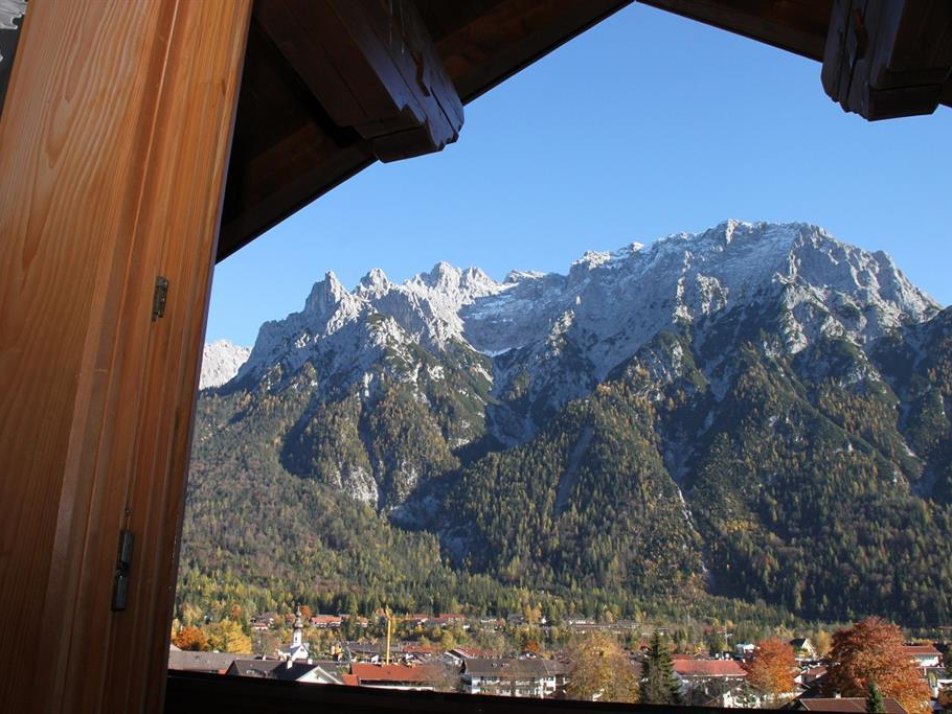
(389, 615)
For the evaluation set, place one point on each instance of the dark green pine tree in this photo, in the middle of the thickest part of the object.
(947, 693)
(874, 700)
(658, 683)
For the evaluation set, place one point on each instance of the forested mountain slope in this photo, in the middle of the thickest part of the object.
(758, 411)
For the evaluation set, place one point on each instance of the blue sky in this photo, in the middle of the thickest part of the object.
(647, 125)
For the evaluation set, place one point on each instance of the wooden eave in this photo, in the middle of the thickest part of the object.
(288, 150)
(797, 26)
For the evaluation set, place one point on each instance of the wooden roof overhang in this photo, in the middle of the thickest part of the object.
(293, 140)
(289, 147)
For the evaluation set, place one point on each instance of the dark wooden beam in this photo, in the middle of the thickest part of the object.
(288, 150)
(194, 692)
(373, 67)
(797, 26)
(509, 35)
(889, 58)
(9, 37)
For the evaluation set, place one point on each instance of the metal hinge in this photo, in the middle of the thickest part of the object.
(159, 297)
(120, 582)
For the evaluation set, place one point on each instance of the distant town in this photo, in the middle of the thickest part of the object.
(868, 667)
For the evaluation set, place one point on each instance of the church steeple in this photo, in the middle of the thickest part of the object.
(298, 651)
(297, 639)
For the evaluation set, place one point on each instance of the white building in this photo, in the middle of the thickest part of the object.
(536, 678)
(298, 651)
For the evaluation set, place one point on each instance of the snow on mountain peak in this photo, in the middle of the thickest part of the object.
(621, 300)
(731, 225)
(516, 276)
(373, 283)
(220, 362)
(864, 293)
(443, 274)
(592, 259)
(618, 300)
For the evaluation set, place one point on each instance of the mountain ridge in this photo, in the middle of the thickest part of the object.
(690, 277)
(695, 416)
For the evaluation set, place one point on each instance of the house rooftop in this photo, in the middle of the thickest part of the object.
(481, 667)
(391, 673)
(708, 668)
(254, 667)
(473, 652)
(190, 661)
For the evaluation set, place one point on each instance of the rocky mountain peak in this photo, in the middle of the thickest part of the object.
(325, 295)
(612, 303)
(374, 284)
(220, 362)
(443, 275)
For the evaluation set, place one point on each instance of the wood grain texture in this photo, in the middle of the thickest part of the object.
(113, 149)
(893, 62)
(373, 67)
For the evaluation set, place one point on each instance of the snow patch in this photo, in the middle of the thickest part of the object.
(221, 361)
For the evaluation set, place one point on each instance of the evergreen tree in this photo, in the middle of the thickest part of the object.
(658, 683)
(874, 700)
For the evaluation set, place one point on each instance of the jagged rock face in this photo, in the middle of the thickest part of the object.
(521, 350)
(221, 361)
(607, 307)
(703, 413)
(424, 312)
(611, 305)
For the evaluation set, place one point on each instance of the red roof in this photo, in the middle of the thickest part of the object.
(813, 673)
(920, 651)
(708, 668)
(326, 619)
(390, 673)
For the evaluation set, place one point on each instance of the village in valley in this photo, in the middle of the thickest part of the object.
(868, 667)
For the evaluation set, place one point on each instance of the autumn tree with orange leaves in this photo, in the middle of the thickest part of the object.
(190, 638)
(772, 668)
(871, 652)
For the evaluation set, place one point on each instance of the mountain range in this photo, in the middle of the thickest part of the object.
(757, 412)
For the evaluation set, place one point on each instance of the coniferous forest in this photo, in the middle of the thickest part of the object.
(713, 471)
